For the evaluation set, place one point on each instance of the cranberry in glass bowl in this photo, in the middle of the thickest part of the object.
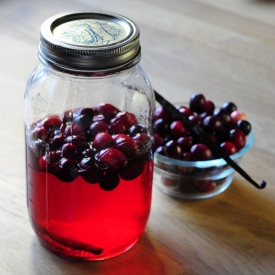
(186, 167)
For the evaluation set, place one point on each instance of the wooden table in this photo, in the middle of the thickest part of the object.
(223, 49)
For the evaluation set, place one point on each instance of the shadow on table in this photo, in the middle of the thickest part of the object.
(140, 259)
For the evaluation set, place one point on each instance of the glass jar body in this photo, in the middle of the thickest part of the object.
(89, 160)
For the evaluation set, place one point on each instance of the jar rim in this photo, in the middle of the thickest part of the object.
(90, 41)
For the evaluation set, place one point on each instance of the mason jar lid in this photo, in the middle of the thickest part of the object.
(90, 41)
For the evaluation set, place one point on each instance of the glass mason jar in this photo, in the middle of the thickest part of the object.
(88, 117)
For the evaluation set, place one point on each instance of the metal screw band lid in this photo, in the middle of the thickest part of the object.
(90, 41)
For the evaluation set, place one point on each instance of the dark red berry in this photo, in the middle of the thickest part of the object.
(161, 126)
(212, 123)
(205, 185)
(109, 111)
(173, 149)
(197, 103)
(185, 143)
(69, 151)
(117, 126)
(209, 106)
(160, 150)
(158, 140)
(161, 112)
(126, 145)
(103, 141)
(185, 111)
(177, 129)
(137, 128)
(228, 148)
(225, 117)
(92, 175)
(109, 181)
(128, 119)
(238, 138)
(51, 123)
(110, 159)
(143, 141)
(66, 170)
(98, 127)
(201, 152)
(132, 170)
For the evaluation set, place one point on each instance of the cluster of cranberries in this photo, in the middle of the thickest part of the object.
(101, 144)
(227, 126)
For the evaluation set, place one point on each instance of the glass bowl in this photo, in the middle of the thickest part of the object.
(196, 179)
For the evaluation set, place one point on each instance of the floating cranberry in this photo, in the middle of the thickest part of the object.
(73, 129)
(137, 128)
(57, 141)
(128, 119)
(197, 103)
(109, 181)
(117, 126)
(110, 159)
(83, 121)
(229, 107)
(132, 170)
(69, 151)
(103, 141)
(126, 145)
(201, 152)
(244, 126)
(52, 122)
(66, 170)
(91, 175)
(79, 141)
(177, 129)
(238, 138)
(109, 111)
(228, 148)
(40, 133)
(67, 117)
(143, 141)
(98, 127)
(173, 149)
(100, 118)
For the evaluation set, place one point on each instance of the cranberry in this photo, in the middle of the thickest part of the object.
(103, 141)
(83, 121)
(109, 111)
(237, 115)
(38, 147)
(197, 103)
(201, 152)
(50, 158)
(244, 126)
(187, 157)
(212, 123)
(110, 159)
(67, 117)
(185, 143)
(90, 152)
(57, 140)
(143, 141)
(100, 118)
(195, 119)
(137, 128)
(205, 185)
(161, 150)
(66, 170)
(132, 170)
(158, 140)
(88, 112)
(178, 129)
(91, 175)
(128, 119)
(69, 151)
(79, 141)
(225, 117)
(40, 133)
(52, 122)
(73, 129)
(98, 127)
(238, 138)
(117, 126)
(229, 107)
(126, 145)
(173, 149)
(109, 181)
(228, 148)
(185, 111)
(209, 106)
(161, 126)
(161, 112)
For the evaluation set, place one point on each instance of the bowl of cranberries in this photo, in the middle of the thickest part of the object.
(187, 166)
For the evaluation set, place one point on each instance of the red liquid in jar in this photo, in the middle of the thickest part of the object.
(82, 220)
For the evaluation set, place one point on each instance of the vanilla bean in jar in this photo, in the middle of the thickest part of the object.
(88, 120)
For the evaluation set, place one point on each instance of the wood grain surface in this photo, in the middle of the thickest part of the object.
(224, 49)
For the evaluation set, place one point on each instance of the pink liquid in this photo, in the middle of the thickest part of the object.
(80, 220)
